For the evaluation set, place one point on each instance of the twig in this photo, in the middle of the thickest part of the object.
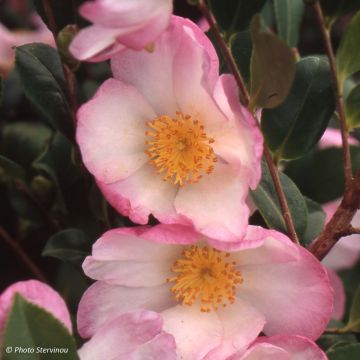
(336, 331)
(244, 98)
(325, 32)
(22, 255)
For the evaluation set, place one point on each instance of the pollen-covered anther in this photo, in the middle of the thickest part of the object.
(205, 276)
(179, 148)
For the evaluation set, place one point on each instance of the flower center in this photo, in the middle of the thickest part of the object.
(206, 275)
(180, 149)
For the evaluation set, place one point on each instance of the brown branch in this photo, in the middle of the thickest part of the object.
(244, 98)
(325, 32)
(336, 331)
(338, 226)
(22, 255)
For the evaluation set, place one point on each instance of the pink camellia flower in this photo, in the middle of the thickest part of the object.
(168, 136)
(134, 335)
(213, 303)
(282, 347)
(10, 39)
(120, 24)
(37, 293)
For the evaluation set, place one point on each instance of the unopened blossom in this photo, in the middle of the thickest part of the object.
(119, 24)
(168, 136)
(214, 303)
(134, 335)
(38, 294)
(12, 38)
(282, 347)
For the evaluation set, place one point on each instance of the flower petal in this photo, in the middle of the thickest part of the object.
(263, 351)
(102, 303)
(39, 294)
(111, 131)
(142, 193)
(339, 295)
(216, 205)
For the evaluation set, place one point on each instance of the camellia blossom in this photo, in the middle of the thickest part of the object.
(39, 294)
(12, 38)
(119, 24)
(282, 347)
(213, 303)
(168, 136)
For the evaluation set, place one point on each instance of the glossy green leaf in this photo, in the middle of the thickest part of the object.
(345, 352)
(272, 68)
(288, 15)
(293, 128)
(315, 222)
(70, 245)
(347, 57)
(24, 141)
(352, 107)
(43, 80)
(354, 318)
(241, 48)
(266, 200)
(235, 15)
(320, 175)
(29, 326)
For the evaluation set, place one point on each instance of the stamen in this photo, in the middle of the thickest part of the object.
(180, 149)
(205, 275)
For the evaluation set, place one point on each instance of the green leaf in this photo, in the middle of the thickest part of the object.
(320, 174)
(293, 128)
(315, 222)
(354, 318)
(42, 76)
(352, 107)
(10, 170)
(272, 68)
(266, 200)
(346, 352)
(29, 326)
(24, 141)
(241, 48)
(235, 15)
(288, 15)
(70, 245)
(347, 58)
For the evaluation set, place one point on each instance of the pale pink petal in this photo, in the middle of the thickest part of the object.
(332, 137)
(39, 294)
(239, 142)
(129, 335)
(111, 131)
(299, 347)
(95, 40)
(241, 325)
(195, 332)
(102, 302)
(263, 351)
(143, 193)
(168, 52)
(339, 295)
(216, 205)
(275, 287)
(128, 260)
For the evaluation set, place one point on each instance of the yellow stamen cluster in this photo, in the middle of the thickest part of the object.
(180, 149)
(207, 276)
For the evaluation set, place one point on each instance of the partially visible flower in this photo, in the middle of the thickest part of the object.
(37, 293)
(134, 335)
(168, 136)
(213, 303)
(282, 347)
(339, 295)
(332, 137)
(12, 38)
(346, 252)
(119, 24)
